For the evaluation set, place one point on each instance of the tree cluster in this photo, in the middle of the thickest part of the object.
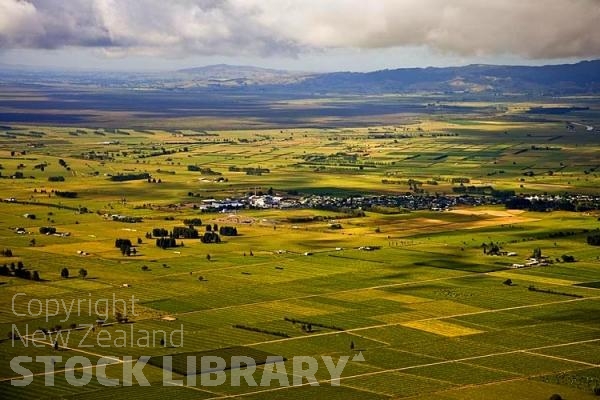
(210, 237)
(125, 246)
(166, 242)
(193, 222)
(539, 205)
(63, 164)
(122, 242)
(47, 230)
(203, 170)
(185, 232)
(130, 177)
(228, 231)
(160, 232)
(307, 325)
(65, 194)
(212, 228)
(18, 270)
(492, 249)
(178, 232)
(593, 240)
(249, 170)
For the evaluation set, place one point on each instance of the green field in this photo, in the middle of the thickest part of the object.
(429, 311)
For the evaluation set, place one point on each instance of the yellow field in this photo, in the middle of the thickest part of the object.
(441, 328)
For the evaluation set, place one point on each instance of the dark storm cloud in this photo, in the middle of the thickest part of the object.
(532, 28)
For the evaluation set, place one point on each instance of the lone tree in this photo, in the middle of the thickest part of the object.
(208, 257)
(83, 273)
(64, 273)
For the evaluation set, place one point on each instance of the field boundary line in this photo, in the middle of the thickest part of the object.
(364, 328)
(309, 296)
(563, 359)
(444, 362)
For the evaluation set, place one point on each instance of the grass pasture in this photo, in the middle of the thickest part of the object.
(432, 315)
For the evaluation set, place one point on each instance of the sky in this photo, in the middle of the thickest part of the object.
(303, 35)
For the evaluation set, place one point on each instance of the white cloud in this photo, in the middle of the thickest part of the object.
(15, 18)
(531, 29)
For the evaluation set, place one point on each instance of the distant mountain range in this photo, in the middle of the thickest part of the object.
(567, 78)
(234, 75)
(582, 77)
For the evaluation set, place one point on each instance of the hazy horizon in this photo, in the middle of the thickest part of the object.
(266, 66)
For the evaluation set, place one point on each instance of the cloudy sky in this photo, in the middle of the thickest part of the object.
(308, 35)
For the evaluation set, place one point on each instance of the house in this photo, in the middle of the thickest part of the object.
(265, 201)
